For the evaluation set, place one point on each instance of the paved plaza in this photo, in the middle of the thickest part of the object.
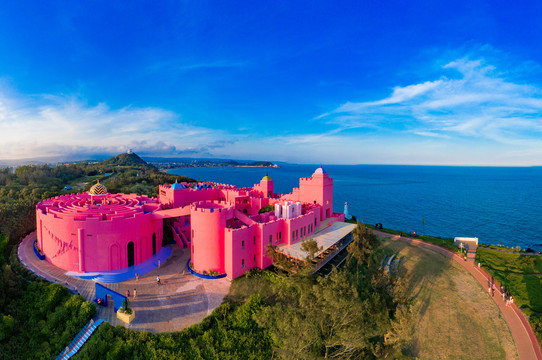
(180, 301)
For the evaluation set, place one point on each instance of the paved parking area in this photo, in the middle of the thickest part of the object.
(180, 301)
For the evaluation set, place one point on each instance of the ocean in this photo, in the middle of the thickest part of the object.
(499, 205)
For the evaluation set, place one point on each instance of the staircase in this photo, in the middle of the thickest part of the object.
(79, 339)
(114, 276)
(179, 238)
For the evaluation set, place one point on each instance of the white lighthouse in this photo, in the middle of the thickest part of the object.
(346, 214)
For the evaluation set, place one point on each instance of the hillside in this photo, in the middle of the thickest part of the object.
(127, 159)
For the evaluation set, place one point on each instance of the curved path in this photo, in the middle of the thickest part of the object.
(522, 332)
(182, 300)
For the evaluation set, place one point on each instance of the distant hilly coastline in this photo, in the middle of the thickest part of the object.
(161, 163)
(172, 163)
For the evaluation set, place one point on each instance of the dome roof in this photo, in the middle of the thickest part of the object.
(267, 177)
(98, 189)
(176, 186)
(320, 170)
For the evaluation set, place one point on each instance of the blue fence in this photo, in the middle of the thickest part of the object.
(102, 292)
(36, 251)
(201, 275)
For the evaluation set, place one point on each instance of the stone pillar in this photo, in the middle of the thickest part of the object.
(80, 244)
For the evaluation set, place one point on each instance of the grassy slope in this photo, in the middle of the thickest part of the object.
(457, 320)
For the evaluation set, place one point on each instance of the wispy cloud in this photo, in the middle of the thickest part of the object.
(48, 125)
(476, 101)
(176, 65)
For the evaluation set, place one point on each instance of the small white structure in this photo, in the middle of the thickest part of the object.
(346, 214)
(465, 239)
(278, 211)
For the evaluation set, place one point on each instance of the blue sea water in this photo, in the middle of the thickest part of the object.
(499, 205)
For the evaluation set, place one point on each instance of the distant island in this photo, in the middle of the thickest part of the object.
(173, 163)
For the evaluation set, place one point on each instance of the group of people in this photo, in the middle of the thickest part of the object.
(128, 293)
(506, 297)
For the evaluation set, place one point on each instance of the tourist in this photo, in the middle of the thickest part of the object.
(511, 300)
(493, 290)
(127, 293)
(158, 280)
(135, 293)
(137, 276)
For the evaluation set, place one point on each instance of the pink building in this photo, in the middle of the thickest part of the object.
(97, 231)
(221, 225)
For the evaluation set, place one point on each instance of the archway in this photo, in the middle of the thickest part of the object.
(131, 256)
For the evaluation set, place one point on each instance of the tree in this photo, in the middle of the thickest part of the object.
(310, 246)
(361, 247)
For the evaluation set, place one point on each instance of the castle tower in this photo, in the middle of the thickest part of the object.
(318, 189)
(208, 221)
(267, 185)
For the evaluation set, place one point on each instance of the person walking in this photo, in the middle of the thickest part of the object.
(137, 276)
(158, 280)
(135, 293)
(127, 293)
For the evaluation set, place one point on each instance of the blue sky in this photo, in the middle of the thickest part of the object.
(350, 82)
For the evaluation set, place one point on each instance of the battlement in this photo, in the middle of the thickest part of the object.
(211, 206)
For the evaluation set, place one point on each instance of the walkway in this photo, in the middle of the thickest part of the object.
(522, 332)
(182, 300)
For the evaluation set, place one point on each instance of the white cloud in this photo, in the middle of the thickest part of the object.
(479, 103)
(47, 126)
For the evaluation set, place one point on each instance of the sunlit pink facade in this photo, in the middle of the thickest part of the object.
(219, 223)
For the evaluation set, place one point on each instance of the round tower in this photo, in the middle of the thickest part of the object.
(208, 221)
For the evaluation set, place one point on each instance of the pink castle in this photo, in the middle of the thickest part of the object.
(221, 224)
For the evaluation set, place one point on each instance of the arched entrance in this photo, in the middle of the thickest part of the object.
(153, 243)
(131, 256)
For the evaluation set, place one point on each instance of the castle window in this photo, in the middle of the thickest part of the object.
(254, 239)
(254, 257)
(243, 244)
(270, 239)
(297, 234)
(242, 263)
(280, 236)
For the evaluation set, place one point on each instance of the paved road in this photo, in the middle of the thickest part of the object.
(182, 300)
(520, 328)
